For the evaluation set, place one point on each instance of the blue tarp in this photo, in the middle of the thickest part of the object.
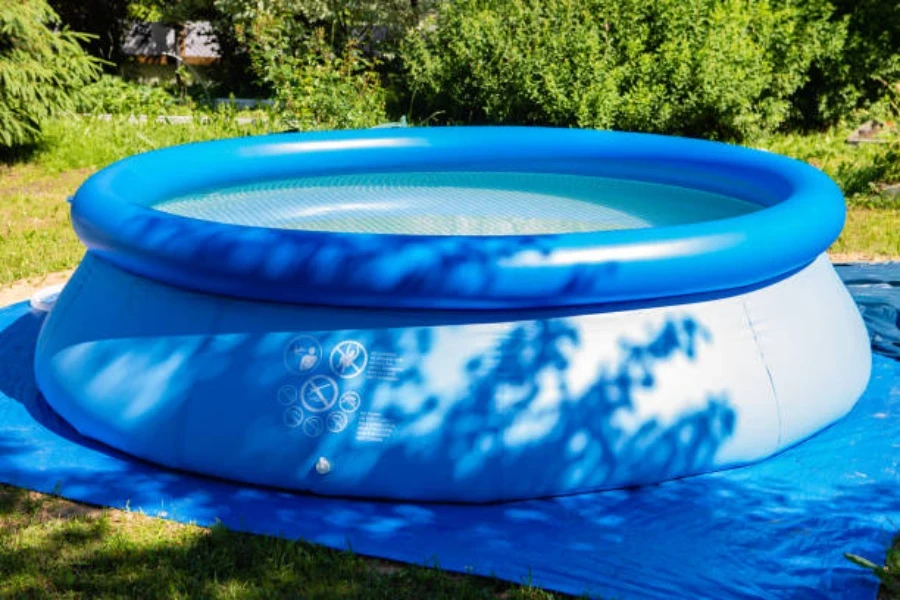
(777, 529)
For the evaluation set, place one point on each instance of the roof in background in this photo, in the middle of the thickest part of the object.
(190, 40)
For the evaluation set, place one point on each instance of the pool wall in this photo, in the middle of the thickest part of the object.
(463, 368)
(450, 405)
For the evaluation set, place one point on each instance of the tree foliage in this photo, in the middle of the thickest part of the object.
(102, 19)
(718, 68)
(42, 69)
(862, 70)
(726, 69)
(375, 25)
(320, 77)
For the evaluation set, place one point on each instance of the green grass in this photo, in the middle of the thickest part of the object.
(861, 171)
(869, 234)
(51, 547)
(36, 236)
(92, 143)
(888, 573)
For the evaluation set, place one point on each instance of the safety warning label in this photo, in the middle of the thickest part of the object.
(384, 366)
(374, 427)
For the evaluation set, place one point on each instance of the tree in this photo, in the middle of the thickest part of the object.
(317, 56)
(102, 19)
(42, 69)
(862, 70)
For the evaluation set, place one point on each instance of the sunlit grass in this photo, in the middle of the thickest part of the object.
(36, 235)
(870, 234)
(92, 143)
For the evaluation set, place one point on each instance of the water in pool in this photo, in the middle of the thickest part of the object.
(456, 203)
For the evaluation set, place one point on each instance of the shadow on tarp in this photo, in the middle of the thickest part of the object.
(876, 289)
(777, 529)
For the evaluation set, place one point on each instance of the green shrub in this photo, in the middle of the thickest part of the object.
(320, 89)
(114, 95)
(41, 69)
(717, 68)
(315, 86)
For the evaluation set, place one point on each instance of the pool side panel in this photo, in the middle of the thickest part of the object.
(820, 364)
(421, 405)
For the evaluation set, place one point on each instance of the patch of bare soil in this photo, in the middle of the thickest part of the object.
(855, 257)
(24, 288)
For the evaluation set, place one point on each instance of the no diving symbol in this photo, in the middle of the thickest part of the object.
(348, 359)
(319, 393)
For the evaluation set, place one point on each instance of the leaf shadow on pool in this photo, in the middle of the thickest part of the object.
(517, 420)
(521, 420)
(357, 269)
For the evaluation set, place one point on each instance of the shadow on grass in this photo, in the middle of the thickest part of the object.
(46, 549)
(15, 155)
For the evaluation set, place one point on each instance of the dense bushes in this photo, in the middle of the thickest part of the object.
(725, 69)
(861, 72)
(41, 69)
(376, 25)
(114, 95)
(717, 68)
(316, 85)
(323, 90)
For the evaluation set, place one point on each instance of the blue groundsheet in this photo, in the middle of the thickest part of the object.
(777, 529)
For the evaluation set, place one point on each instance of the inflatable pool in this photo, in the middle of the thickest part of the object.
(454, 314)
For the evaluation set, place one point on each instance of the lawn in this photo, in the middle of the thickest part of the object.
(36, 236)
(51, 547)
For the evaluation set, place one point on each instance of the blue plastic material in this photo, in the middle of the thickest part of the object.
(113, 215)
(876, 289)
(328, 361)
(777, 529)
(458, 406)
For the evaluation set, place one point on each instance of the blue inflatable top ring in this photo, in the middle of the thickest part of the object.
(803, 213)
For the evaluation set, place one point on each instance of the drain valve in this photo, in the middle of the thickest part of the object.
(323, 466)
